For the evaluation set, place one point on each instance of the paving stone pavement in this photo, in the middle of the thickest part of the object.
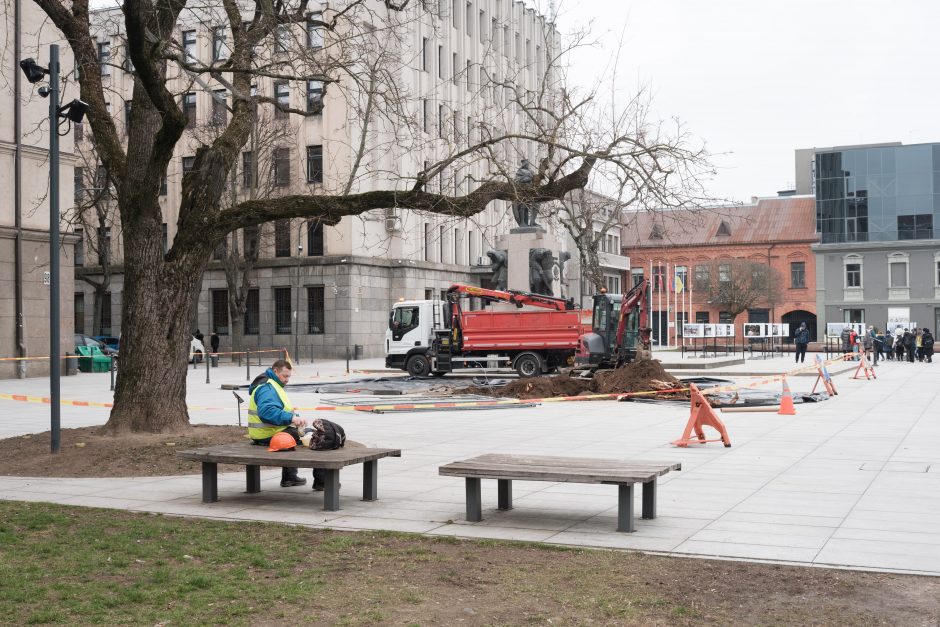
(851, 482)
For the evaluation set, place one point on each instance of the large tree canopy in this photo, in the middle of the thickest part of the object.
(367, 45)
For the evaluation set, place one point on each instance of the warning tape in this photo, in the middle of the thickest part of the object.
(41, 358)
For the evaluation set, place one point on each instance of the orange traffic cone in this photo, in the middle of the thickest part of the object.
(786, 401)
(702, 414)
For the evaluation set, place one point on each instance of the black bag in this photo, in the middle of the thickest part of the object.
(327, 435)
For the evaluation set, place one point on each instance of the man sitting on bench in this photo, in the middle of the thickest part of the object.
(271, 412)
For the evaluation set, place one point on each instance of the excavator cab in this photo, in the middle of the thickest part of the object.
(599, 347)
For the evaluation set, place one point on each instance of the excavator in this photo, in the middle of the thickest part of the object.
(620, 331)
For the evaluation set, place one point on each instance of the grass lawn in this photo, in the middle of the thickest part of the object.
(81, 566)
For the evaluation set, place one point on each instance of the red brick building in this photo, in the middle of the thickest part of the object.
(770, 231)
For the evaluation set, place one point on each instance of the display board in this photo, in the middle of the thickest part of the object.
(834, 329)
(891, 327)
(724, 330)
(693, 330)
(755, 330)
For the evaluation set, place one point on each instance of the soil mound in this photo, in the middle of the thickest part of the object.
(638, 376)
(537, 387)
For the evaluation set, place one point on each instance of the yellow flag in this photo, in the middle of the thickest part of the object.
(679, 285)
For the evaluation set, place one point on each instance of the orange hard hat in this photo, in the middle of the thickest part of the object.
(282, 442)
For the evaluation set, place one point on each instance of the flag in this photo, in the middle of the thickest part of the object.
(679, 284)
(671, 285)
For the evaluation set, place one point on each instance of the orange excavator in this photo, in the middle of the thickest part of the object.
(620, 331)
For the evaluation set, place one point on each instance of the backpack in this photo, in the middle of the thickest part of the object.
(327, 435)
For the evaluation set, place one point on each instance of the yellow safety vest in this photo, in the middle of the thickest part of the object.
(257, 428)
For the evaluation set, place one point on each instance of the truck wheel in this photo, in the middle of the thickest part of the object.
(418, 366)
(438, 373)
(528, 365)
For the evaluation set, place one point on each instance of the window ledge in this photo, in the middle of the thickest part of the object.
(899, 293)
(853, 294)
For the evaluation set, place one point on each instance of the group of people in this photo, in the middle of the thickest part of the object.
(903, 345)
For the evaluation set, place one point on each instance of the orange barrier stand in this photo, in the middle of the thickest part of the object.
(702, 415)
(863, 364)
(824, 377)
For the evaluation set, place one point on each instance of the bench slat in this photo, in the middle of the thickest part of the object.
(562, 469)
(245, 453)
(574, 462)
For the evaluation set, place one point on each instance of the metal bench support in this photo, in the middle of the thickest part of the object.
(370, 481)
(210, 482)
(649, 499)
(252, 479)
(331, 490)
(625, 507)
(504, 493)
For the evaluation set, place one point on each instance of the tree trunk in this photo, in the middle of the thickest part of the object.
(160, 298)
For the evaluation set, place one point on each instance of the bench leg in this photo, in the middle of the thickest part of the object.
(504, 493)
(331, 490)
(474, 502)
(252, 479)
(625, 507)
(210, 482)
(649, 499)
(370, 481)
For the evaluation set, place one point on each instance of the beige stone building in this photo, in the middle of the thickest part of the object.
(24, 187)
(320, 289)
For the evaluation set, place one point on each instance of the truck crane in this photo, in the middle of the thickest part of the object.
(620, 330)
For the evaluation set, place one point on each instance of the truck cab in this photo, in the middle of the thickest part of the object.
(412, 325)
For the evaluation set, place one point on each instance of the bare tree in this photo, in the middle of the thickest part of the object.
(365, 49)
(736, 285)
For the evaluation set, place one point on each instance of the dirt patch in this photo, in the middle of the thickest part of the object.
(639, 376)
(85, 452)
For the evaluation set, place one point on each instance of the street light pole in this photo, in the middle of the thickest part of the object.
(54, 365)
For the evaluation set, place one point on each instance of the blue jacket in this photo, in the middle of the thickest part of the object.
(270, 408)
(802, 336)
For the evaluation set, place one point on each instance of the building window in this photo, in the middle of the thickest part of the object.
(281, 167)
(702, 277)
(854, 316)
(104, 245)
(440, 62)
(915, 227)
(427, 242)
(682, 276)
(189, 109)
(79, 131)
(79, 309)
(163, 186)
(314, 31)
(314, 239)
(425, 114)
(78, 181)
(252, 313)
(612, 283)
(221, 249)
(80, 248)
(897, 273)
(106, 313)
(127, 115)
(219, 107)
(282, 97)
(250, 238)
(724, 272)
(636, 276)
(937, 273)
(282, 38)
(282, 238)
(220, 50)
(314, 96)
(440, 121)
(189, 44)
(798, 274)
(188, 163)
(725, 317)
(165, 237)
(314, 164)
(853, 275)
(128, 64)
(248, 169)
(468, 22)
(220, 312)
(316, 310)
(424, 54)
(455, 65)
(701, 317)
(282, 311)
(104, 57)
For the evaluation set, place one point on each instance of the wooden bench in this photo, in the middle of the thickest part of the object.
(505, 468)
(253, 457)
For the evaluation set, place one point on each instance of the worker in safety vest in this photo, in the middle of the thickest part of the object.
(270, 412)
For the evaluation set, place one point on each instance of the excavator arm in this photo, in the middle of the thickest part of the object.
(517, 298)
(636, 297)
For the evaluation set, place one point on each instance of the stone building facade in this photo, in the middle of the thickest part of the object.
(322, 289)
(776, 232)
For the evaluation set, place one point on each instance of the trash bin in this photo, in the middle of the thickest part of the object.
(214, 359)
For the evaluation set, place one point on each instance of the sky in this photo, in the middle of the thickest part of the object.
(755, 80)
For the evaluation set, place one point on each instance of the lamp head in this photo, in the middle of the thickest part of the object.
(74, 111)
(33, 71)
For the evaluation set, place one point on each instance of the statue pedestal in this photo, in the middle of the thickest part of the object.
(517, 244)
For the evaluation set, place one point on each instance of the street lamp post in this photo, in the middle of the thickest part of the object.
(74, 111)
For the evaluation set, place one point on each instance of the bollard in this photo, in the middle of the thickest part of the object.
(247, 365)
(347, 360)
(111, 369)
(208, 359)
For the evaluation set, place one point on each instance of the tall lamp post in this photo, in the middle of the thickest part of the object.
(74, 112)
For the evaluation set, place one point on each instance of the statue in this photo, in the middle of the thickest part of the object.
(499, 260)
(541, 261)
(525, 214)
(562, 260)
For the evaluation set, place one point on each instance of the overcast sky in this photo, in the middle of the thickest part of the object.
(757, 79)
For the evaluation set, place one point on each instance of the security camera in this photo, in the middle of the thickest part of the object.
(33, 71)
(74, 111)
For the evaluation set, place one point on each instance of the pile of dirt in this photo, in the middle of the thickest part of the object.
(639, 376)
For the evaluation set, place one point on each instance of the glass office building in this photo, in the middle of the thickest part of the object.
(877, 194)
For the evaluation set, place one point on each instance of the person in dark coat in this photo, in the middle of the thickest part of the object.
(214, 342)
(899, 346)
(801, 339)
(846, 338)
(927, 342)
(909, 340)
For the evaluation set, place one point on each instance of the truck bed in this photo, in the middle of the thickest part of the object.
(519, 330)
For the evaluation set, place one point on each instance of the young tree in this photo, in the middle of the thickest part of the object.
(366, 43)
(736, 285)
